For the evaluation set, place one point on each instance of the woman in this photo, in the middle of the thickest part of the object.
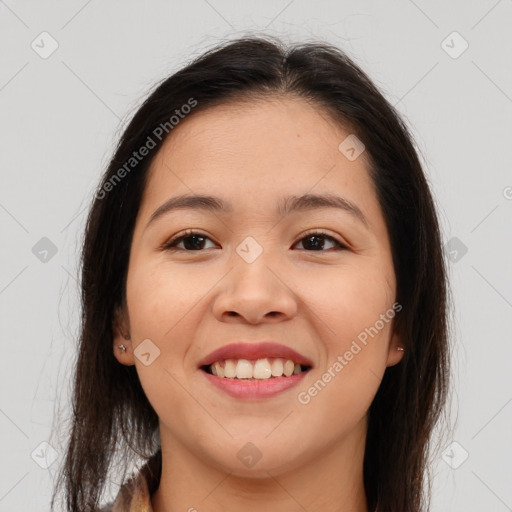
(264, 296)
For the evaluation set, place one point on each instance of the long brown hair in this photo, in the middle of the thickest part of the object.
(111, 416)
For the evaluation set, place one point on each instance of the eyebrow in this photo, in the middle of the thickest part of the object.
(287, 205)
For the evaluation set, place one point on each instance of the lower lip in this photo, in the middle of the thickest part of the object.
(254, 388)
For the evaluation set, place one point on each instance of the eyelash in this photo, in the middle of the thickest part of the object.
(170, 245)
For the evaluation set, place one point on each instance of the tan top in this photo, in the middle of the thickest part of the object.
(135, 494)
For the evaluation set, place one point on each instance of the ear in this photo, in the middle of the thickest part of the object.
(121, 336)
(394, 353)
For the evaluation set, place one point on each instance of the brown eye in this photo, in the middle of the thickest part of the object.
(192, 241)
(195, 241)
(317, 241)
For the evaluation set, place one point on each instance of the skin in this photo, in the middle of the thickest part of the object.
(317, 301)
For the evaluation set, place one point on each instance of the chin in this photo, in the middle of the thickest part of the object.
(247, 459)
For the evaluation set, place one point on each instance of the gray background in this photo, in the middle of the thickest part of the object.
(61, 115)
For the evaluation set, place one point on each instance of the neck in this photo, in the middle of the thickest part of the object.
(332, 481)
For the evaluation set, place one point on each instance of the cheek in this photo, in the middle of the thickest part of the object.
(347, 300)
(160, 303)
(354, 318)
(160, 296)
(339, 404)
(348, 318)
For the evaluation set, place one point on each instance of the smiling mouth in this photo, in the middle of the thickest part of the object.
(260, 369)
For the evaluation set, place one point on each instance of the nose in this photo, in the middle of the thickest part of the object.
(254, 293)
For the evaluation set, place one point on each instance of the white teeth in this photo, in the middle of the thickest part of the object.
(243, 369)
(217, 369)
(229, 369)
(277, 368)
(261, 369)
(288, 368)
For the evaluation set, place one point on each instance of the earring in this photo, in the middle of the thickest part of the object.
(399, 348)
(123, 348)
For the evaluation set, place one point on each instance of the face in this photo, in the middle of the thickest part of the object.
(318, 280)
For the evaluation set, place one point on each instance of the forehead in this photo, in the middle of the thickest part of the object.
(252, 154)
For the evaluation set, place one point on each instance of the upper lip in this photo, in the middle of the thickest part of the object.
(253, 351)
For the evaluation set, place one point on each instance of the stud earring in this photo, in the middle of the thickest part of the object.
(399, 348)
(123, 348)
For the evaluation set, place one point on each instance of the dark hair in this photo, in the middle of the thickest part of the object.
(111, 414)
